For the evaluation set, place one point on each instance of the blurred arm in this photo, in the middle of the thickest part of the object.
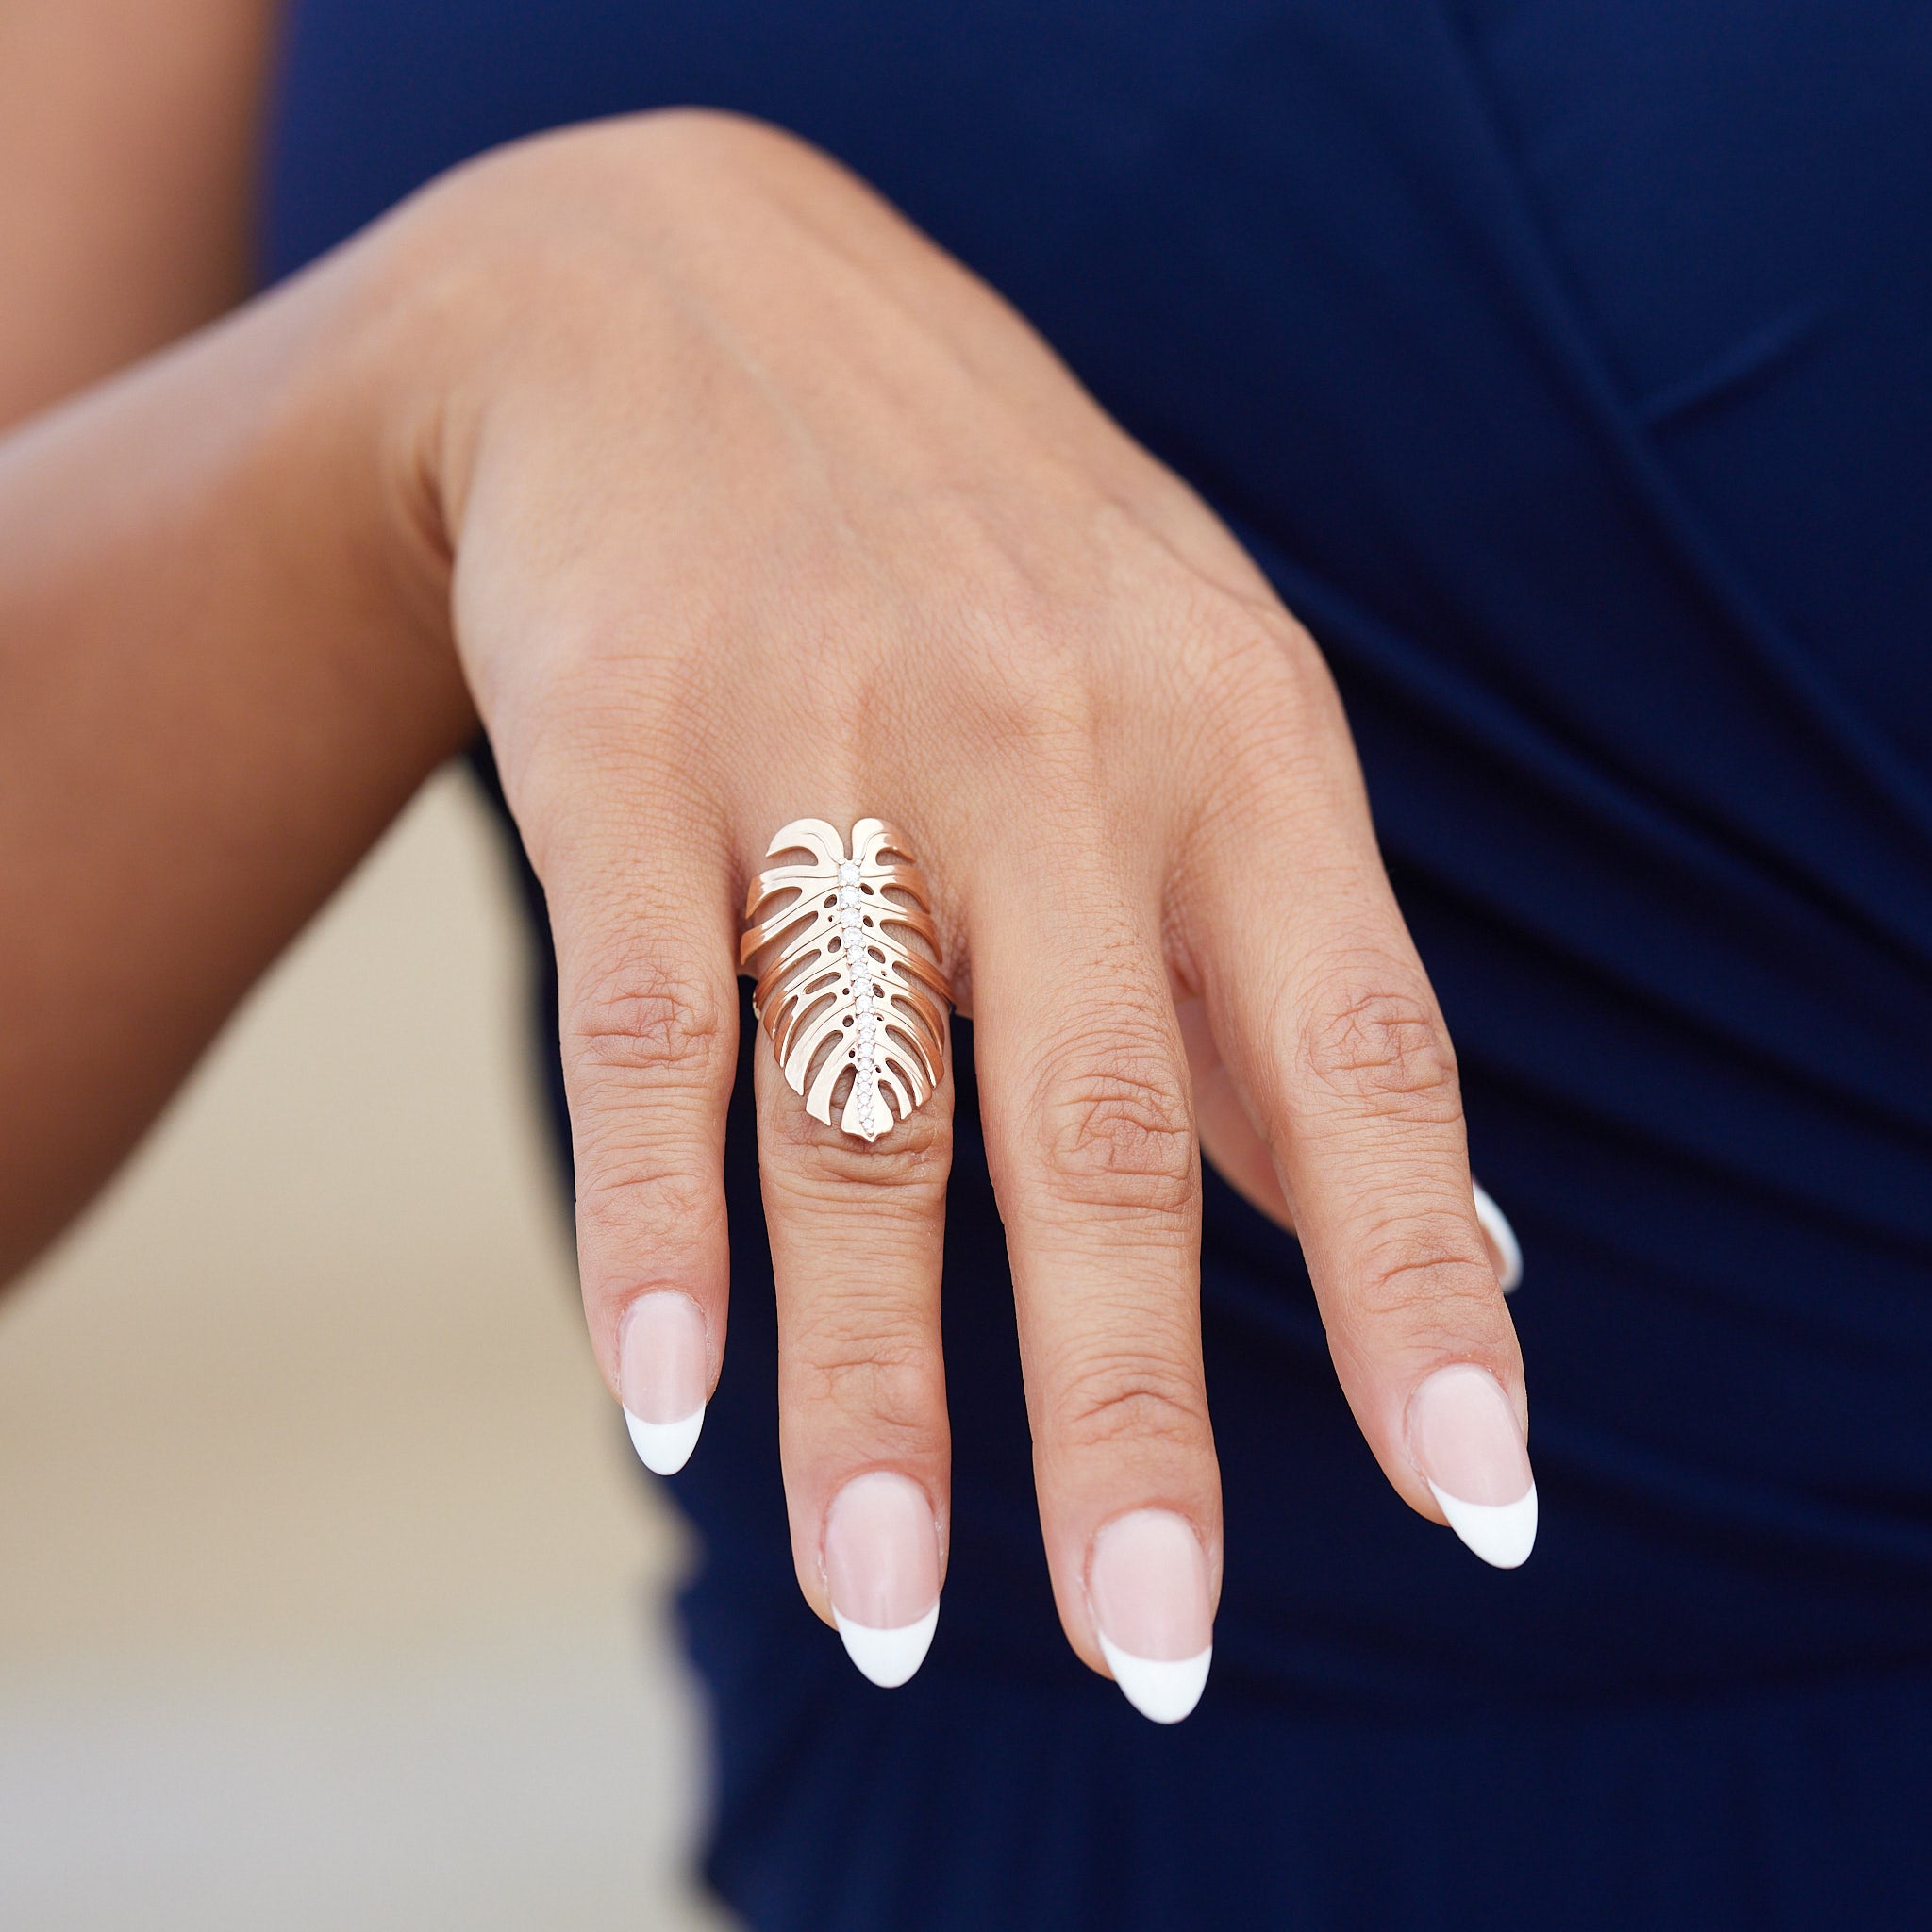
(128, 139)
(223, 671)
(210, 706)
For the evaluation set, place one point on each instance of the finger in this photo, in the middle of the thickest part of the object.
(647, 1018)
(1326, 1021)
(856, 1230)
(1084, 1097)
(1233, 1146)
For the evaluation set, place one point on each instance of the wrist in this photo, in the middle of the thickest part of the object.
(348, 458)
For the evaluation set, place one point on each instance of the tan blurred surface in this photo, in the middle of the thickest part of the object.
(330, 1594)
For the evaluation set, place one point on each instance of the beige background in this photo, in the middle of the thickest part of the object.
(329, 1594)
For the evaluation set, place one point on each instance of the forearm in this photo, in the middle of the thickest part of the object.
(128, 133)
(224, 667)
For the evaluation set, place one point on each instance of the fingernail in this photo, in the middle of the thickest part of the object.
(1147, 1581)
(661, 1375)
(1505, 1252)
(882, 1568)
(1471, 1453)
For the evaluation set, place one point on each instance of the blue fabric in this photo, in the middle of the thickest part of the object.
(1568, 365)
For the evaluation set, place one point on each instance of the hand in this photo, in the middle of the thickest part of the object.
(760, 507)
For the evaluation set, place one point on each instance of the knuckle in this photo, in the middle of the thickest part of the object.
(1122, 1397)
(1260, 674)
(1378, 1043)
(1428, 1275)
(1042, 719)
(862, 1358)
(1033, 677)
(628, 1192)
(646, 1015)
(904, 1171)
(1284, 658)
(1116, 1125)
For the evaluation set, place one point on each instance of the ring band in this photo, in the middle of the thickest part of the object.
(840, 986)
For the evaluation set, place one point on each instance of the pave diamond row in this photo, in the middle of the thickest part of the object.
(859, 970)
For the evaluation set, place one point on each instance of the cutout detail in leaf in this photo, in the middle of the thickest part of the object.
(849, 975)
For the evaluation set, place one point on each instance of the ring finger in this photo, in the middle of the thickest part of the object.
(854, 1143)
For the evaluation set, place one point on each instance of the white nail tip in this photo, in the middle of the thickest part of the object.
(1164, 1692)
(1495, 1223)
(889, 1657)
(664, 1448)
(1499, 1533)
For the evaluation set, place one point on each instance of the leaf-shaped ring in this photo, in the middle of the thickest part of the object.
(839, 987)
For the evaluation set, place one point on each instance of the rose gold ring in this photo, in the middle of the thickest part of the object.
(839, 947)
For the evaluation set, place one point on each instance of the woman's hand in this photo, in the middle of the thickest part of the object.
(761, 507)
(750, 505)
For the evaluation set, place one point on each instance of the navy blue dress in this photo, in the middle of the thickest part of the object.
(1568, 364)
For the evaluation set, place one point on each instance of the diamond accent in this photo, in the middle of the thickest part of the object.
(859, 970)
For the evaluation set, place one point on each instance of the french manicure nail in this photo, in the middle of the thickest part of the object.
(882, 1569)
(1471, 1453)
(1147, 1581)
(1505, 1250)
(662, 1376)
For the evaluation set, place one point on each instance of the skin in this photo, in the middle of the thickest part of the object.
(129, 131)
(722, 497)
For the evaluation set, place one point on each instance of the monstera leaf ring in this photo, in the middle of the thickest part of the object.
(848, 972)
